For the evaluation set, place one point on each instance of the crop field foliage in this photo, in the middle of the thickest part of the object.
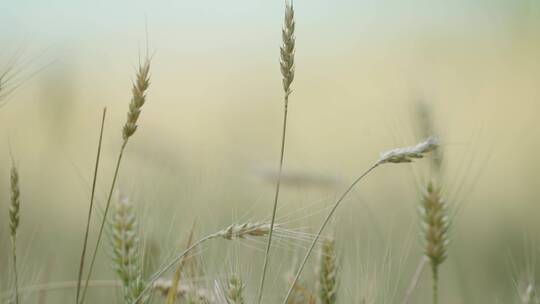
(305, 152)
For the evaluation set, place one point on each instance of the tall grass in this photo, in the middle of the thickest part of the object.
(91, 207)
(287, 52)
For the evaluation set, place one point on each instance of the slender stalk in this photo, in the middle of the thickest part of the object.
(435, 284)
(287, 51)
(276, 198)
(171, 295)
(85, 243)
(101, 228)
(15, 275)
(325, 222)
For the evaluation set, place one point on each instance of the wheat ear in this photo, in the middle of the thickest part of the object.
(399, 155)
(138, 99)
(435, 226)
(287, 71)
(14, 220)
(126, 249)
(328, 270)
(235, 290)
(91, 207)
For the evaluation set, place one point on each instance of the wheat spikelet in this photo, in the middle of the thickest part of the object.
(435, 228)
(142, 82)
(235, 290)
(14, 221)
(328, 269)
(126, 249)
(408, 154)
(240, 231)
(287, 50)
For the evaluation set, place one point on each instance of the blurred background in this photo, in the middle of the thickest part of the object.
(207, 148)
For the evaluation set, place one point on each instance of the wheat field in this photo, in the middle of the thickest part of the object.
(248, 152)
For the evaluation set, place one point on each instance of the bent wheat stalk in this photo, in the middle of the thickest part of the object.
(399, 155)
(138, 99)
(287, 71)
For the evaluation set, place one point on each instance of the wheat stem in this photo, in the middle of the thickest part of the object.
(325, 222)
(85, 243)
(287, 70)
(435, 284)
(396, 156)
(102, 226)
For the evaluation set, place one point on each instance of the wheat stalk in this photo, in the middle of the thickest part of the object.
(328, 270)
(287, 52)
(91, 207)
(398, 155)
(126, 249)
(235, 290)
(138, 99)
(14, 221)
(435, 226)
(171, 296)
